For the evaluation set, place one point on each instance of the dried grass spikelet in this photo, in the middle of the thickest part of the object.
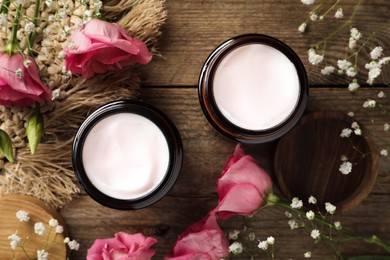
(48, 174)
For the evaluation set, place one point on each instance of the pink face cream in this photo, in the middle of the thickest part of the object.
(127, 155)
(253, 88)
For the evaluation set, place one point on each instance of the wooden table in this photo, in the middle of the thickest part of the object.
(193, 30)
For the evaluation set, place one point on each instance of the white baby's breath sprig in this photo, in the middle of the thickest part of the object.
(307, 254)
(263, 245)
(236, 248)
(330, 208)
(233, 235)
(39, 228)
(22, 216)
(296, 203)
(315, 234)
(345, 167)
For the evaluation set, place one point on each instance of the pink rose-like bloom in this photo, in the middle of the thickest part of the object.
(101, 46)
(203, 240)
(122, 247)
(242, 186)
(22, 90)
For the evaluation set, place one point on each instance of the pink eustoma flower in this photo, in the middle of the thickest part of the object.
(203, 240)
(101, 46)
(24, 89)
(242, 186)
(122, 247)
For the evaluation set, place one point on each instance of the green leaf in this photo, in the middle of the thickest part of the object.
(6, 146)
(34, 131)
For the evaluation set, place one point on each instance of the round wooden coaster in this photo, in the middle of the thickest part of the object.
(38, 212)
(308, 158)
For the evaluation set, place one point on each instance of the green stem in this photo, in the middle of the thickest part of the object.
(331, 8)
(33, 35)
(5, 7)
(12, 45)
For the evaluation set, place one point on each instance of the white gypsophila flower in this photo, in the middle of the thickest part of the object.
(345, 168)
(315, 234)
(27, 63)
(39, 228)
(288, 214)
(73, 245)
(3, 20)
(313, 17)
(55, 94)
(270, 240)
(327, 70)
(22, 216)
(59, 229)
(251, 236)
(339, 13)
(351, 72)
(98, 5)
(337, 225)
(19, 73)
(42, 255)
(376, 52)
(315, 58)
(384, 60)
(307, 254)
(14, 241)
(374, 73)
(383, 152)
(48, 3)
(352, 43)
(87, 15)
(343, 158)
(355, 125)
(293, 224)
(330, 208)
(346, 132)
(310, 215)
(358, 131)
(372, 65)
(233, 235)
(307, 2)
(53, 222)
(296, 203)
(386, 126)
(351, 114)
(302, 27)
(312, 200)
(355, 34)
(13, 244)
(235, 248)
(263, 245)
(369, 103)
(353, 86)
(343, 64)
(381, 94)
(66, 240)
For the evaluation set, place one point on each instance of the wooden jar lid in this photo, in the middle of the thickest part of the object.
(308, 158)
(38, 212)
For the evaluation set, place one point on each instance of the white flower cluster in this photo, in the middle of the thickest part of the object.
(263, 245)
(354, 37)
(374, 67)
(315, 58)
(236, 248)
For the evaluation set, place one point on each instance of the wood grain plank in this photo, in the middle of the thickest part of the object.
(195, 28)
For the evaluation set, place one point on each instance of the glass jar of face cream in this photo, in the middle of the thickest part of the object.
(253, 88)
(127, 155)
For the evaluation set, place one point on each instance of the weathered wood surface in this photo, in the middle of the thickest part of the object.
(193, 30)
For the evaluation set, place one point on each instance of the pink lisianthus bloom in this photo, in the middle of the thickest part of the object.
(20, 85)
(122, 247)
(242, 187)
(203, 240)
(101, 46)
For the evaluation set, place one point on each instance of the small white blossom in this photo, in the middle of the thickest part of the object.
(270, 240)
(384, 60)
(346, 132)
(355, 34)
(312, 200)
(315, 58)
(14, 241)
(307, 254)
(343, 158)
(307, 2)
(315, 234)
(293, 224)
(374, 73)
(98, 4)
(381, 94)
(251, 236)
(372, 65)
(310, 215)
(313, 17)
(302, 27)
(358, 131)
(345, 168)
(337, 225)
(351, 114)
(386, 127)
(369, 103)
(343, 64)
(376, 52)
(327, 70)
(339, 13)
(59, 229)
(29, 28)
(48, 2)
(22, 216)
(353, 86)
(296, 203)
(19, 73)
(3, 19)
(235, 248)
(263, 245)
(39, 228)
(352, 43)
(383, 152)
(355, 125)
(42, 255)
(73, 245)
(27, 63)
(66, 240)
(55, 94)
(330, 208)
(53, 222)
(87, 15)
(233, 235)
(288, 214)
(351, 72)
